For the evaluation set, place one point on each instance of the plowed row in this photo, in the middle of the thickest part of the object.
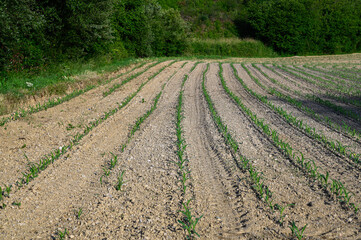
(74, 194)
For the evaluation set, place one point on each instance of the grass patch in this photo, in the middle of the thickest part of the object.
(231, 47)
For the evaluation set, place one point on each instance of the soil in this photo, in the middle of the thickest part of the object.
(72, 195)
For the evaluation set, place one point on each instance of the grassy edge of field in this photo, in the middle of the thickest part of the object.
(60, 78)
(57, 81)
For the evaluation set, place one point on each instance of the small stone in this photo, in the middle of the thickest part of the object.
(71, 236)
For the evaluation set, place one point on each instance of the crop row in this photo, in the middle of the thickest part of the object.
(118, 85)
(312, 132)
(35, 168)
(57, 101)
(344, 75)
(188, 221)
(333, 186)
(258, 184)
(339, 98)
(346, 129)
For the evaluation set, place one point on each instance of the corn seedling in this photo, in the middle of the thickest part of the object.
(355, 207)
(296, 232)
(120, 182)
(70, 127)
(63, 234)
(113, 161)
(79, 213)
(189, 221)
(16, 204)
(281, 210)
(7, 190)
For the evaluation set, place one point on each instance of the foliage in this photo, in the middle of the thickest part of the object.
(306, 26)
(148, 30)
(20, 34)
(33, 32)
(229, 47)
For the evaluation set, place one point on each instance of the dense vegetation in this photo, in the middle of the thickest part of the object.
(306, 26)
(37, 34)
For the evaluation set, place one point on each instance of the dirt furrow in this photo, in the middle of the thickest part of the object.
(288, 185)
(338, 166)
(319, 109)
(75, 178)
(355, 146)
(29, 139)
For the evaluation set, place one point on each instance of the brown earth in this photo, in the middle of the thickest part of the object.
(68, 195)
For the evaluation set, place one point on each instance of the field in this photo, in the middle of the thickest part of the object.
(183, 149)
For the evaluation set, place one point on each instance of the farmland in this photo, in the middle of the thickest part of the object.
(176, 149)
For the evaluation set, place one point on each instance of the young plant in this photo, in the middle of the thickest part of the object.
(63, 234)
(16, 204)
(113, 161)
(120, 182)
(189, 221)
(296, 232)
(79, 213)
(7, 189)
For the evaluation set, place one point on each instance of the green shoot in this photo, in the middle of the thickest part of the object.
(120, 182)
(189, 221)
(296, 232)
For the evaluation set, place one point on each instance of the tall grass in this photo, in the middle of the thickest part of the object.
(231, 47)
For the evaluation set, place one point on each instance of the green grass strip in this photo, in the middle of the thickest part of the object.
(335, 187)
(35, 168)
(261, 189)
(56, 101)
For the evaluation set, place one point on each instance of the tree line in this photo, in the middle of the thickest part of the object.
(36, 33)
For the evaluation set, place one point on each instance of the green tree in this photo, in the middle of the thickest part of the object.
(21, 36)
(148, 30)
